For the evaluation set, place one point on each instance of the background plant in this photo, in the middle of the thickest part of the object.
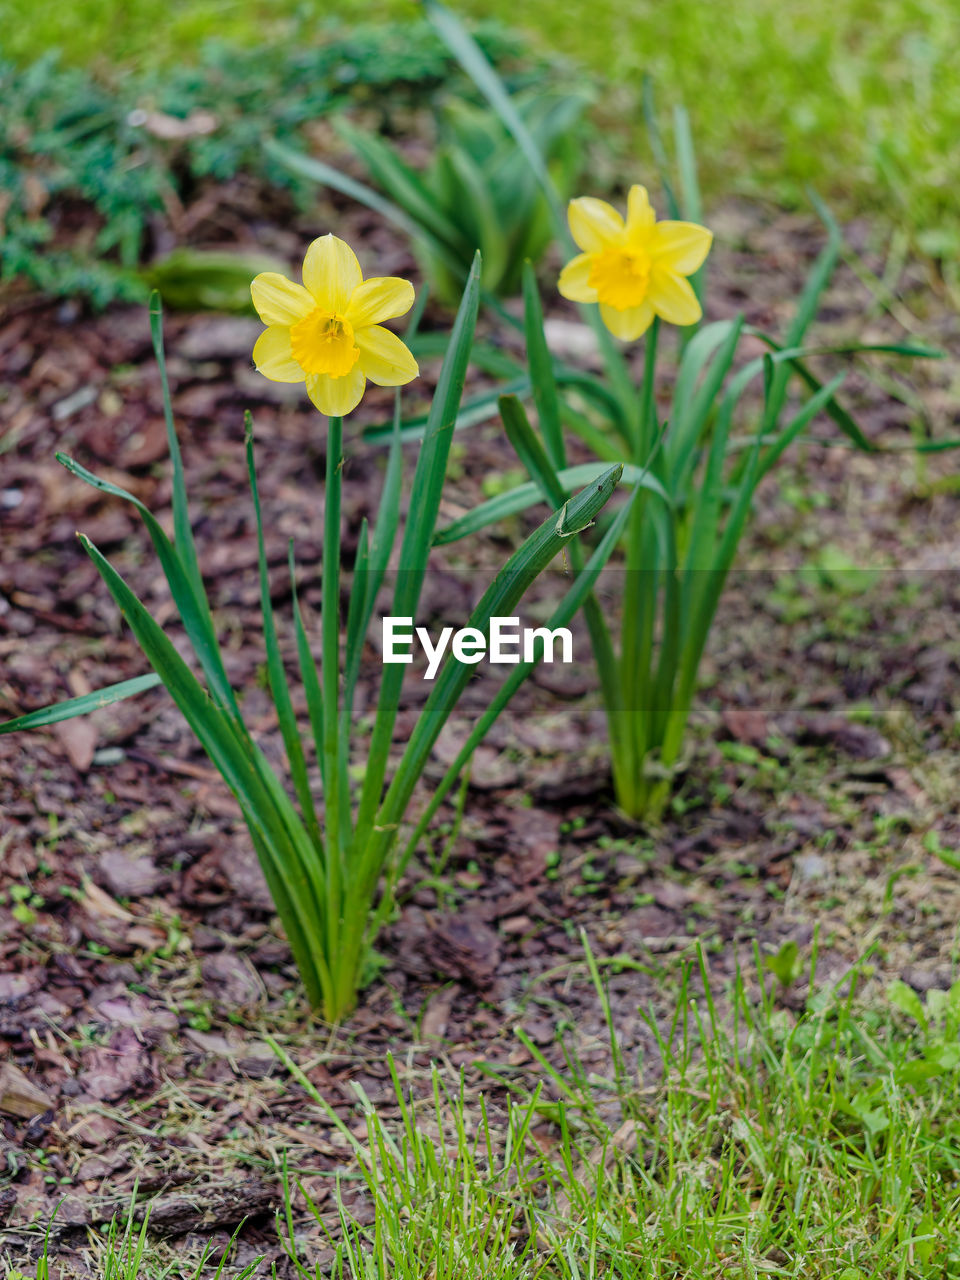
(324, 869)
(131, 147)
(478, 191)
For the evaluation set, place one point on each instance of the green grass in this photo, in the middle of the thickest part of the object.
(859, 97)
(820, 1144)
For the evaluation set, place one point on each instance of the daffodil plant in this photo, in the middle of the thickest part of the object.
(324, 848)
(695, 466)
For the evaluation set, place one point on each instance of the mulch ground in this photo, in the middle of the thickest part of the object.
(140, 965)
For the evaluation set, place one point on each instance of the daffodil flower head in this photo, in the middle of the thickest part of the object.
(327, 332)
(635, 268)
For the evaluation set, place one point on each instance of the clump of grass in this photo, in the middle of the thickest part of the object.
(123, 1253)
(770, 1142)
(784, 1127)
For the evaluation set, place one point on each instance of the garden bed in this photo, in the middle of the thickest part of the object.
(141, 972)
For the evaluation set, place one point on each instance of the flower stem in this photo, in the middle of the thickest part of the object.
(331, 681)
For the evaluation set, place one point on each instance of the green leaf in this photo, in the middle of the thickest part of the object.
(542, 378)
(473, 60)
(308, 668)
(693, 400)
(328, 176)
(182, 531)
(499, 600)
(575, 598)
(83, 705)
(786, 965)
(530, 451)
(405, 187)
(279, 688)
(425, 495)
(190, 598)
(529, 495)
(907, 1001)
(289, 860)
(657, 147)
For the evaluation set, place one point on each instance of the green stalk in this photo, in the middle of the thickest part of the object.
(330, 624)
(639, 599)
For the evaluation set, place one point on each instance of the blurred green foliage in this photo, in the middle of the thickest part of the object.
(859, 97)
(477, 192)
(132, 146)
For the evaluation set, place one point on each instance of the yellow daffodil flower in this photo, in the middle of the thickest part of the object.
(636, 269)
(327, 332)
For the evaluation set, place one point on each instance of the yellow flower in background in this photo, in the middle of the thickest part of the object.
(327, 332)
(635, 269)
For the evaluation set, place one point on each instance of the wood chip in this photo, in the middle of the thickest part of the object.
(20, 1096)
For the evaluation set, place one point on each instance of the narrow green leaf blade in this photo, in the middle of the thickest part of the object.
(279, 688)
(530, 451)
(578, 594)
(541, 370)
(83, 705)
(191, 600)
(182, 531)
(499, 600)
(529, 495)
(425, 495)
(289, 860)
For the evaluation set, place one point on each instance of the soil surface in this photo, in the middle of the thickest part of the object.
(140, 964)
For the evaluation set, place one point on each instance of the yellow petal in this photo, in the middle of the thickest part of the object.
(379, 298)
(593, 223)
(574, 282)
(680, 247)
(278, 300)
(627, 325)
(331, 272)
(272, 356)
(640, 215)
(384, 358)
(672, 297)
(336, 396)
